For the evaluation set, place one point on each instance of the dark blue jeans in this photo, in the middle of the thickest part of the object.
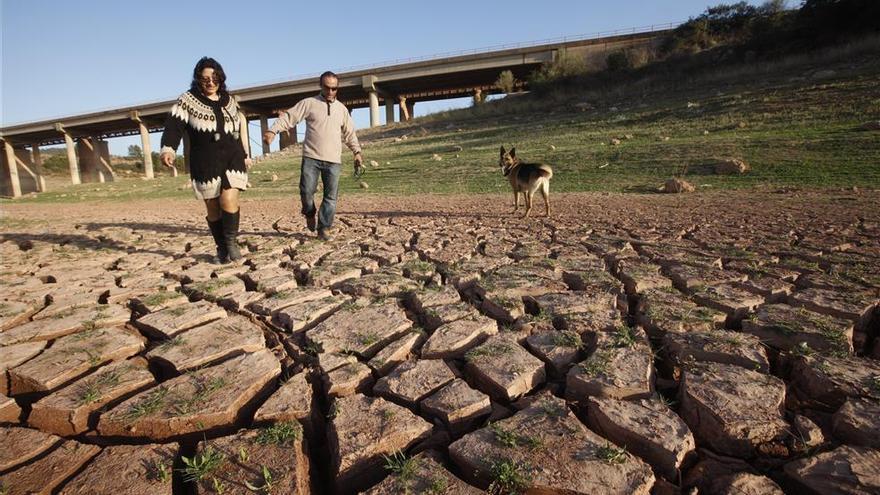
(308, 184)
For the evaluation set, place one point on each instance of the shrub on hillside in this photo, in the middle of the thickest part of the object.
(618, 61)
(565, 67)
(506, 82)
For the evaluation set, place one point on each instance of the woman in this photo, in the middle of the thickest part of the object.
(218, 153)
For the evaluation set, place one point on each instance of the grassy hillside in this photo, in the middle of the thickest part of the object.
(796, 121)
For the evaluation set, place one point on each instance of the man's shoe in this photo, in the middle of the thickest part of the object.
(324, 235)
(311, 222)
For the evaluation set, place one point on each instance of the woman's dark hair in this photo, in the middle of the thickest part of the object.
(208, 63)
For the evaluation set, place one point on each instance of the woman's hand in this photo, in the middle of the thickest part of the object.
(167, 159)
(248, 163)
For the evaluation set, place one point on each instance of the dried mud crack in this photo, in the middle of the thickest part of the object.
(630, 344)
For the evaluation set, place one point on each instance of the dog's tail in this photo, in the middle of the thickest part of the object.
(545, 171)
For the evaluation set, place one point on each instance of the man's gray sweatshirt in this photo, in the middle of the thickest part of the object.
(327, 126)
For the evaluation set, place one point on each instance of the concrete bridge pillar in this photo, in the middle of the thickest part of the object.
(374, 108)
(37, 159)
(29, 181)
(71, 155)
(404, 109)
(368, 82)
(478, 96)
(11, 168)
(287, 138)
(105, 170)
(389, 111)
(148, 151)
(264, 126)
(85, 149)
(145, 144)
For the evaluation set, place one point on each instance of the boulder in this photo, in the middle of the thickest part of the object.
(731, 166)
(676, 186)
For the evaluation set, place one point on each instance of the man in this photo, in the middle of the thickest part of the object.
(328, 124)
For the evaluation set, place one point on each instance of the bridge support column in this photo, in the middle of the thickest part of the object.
(71, 155)
(389, 111)
(145, 143)
(264, 126)
(38, 167)
(287, 138)
(374, 108)
(12, 167)
(88, 159)
(368, 83)
(105, 169)
(404, 109)
(478, 96)
(148, 151)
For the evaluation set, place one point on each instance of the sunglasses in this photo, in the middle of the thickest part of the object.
(206, 80)
(331, 88)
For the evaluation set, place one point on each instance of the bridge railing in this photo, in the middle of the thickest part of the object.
(476, 51)
(408, 60)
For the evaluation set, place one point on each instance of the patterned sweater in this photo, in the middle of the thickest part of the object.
(213, 147)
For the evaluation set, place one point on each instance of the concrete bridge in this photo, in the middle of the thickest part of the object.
(400, 83)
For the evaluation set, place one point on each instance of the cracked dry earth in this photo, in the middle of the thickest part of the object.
(714, 343)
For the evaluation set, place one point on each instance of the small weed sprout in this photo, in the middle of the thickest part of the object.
(568, 338)
(280, 433)
(437, 485)
(266, 486)
(401, 465)
(509, 478)
(597, 364)
(199, 466)
(177, 311)
(218, 486)
(611, 454)
(149, 405)
(169, 343)
(93, 389)
(387, 414)
(802, 349)
(512, 439)
(243, 455)
(624, 336)
(159, 471)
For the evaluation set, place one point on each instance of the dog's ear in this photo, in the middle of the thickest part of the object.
(513, 152)
(502, 151)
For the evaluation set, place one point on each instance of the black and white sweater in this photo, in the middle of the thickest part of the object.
(217, 152)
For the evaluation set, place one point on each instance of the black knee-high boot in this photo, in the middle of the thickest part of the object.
(230, 233)
(217, 232)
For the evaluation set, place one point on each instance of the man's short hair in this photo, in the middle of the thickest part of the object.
(329, 73)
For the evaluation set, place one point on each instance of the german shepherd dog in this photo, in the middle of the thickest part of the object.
(526, 178)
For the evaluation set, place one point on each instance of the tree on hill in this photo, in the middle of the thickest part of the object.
(135, 151)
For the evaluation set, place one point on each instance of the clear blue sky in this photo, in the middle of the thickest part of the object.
(65, 57)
